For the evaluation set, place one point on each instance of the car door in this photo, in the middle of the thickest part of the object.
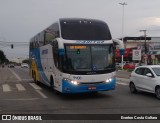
(138, 77)
(148, 82)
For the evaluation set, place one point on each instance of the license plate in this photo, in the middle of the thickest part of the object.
(92, 88)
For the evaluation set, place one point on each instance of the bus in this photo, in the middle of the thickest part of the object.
(74, 55)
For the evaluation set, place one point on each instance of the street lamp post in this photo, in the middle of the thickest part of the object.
(123, 4)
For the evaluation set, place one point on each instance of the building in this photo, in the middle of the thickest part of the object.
(150, 45)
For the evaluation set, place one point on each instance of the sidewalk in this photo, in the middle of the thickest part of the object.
(122, 76)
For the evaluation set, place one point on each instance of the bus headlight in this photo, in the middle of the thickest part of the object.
(108, 80)
(72, 81)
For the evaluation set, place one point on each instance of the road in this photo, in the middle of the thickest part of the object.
(20, 95)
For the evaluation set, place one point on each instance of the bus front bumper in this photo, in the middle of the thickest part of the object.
(68, 87)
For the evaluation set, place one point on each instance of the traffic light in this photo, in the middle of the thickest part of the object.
(11, 46)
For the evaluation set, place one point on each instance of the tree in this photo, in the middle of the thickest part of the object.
(3, 57)
(26, 61)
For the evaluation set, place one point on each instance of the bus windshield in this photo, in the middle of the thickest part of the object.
(77, 30)
(89, 58)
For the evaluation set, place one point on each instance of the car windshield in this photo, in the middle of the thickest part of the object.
(156, 70)
(89, 58)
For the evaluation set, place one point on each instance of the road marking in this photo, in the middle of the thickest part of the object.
(17, 76)
(22, 99)
(6, 88)
(27, 79)
(36, 87)
(16, 80)
(120, 83)
(42, 94)
(20, 87)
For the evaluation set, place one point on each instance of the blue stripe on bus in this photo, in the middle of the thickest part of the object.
(36, 52)
(68, 87)
(61, 52)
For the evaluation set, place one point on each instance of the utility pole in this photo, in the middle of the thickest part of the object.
(145, 45)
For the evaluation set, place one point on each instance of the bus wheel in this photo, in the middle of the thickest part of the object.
(52, 86)
(51, 83)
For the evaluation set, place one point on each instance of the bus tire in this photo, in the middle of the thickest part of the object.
(52, 86)
(51, 83)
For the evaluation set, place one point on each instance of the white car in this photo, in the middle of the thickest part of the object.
(146, 78)
(11, 65)
(24, 65)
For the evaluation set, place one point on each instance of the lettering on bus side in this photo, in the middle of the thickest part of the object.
(90, 42)
(45, 51)
(77, 77)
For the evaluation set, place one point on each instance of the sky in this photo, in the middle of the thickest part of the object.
(20, 20)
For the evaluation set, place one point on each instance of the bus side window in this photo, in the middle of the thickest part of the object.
(51, 33)
(55, 52)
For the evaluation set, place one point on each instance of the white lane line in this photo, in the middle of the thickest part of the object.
(17, 76)
(22, 99)
(120, 83)
(27, 79)
(42, 94)
(36, 87)
(6, 88)
(20, 87)
(17, 80)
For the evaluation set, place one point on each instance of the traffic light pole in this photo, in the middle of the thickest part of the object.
(11, 46)
(121, 48)
(122, 62)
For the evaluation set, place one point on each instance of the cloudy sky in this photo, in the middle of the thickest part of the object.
(22, 19)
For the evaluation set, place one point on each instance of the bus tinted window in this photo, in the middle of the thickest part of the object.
(85, 30)
(86, 58)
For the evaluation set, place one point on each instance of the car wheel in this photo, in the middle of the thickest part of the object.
(132, 88)
(158, 92)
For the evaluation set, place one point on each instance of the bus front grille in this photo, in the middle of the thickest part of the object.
(89, 83)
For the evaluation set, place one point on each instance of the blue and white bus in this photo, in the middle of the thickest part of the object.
(74, 55)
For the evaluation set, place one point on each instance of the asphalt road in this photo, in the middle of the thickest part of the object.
(18, 94)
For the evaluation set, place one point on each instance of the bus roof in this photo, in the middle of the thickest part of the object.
(81, 20)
